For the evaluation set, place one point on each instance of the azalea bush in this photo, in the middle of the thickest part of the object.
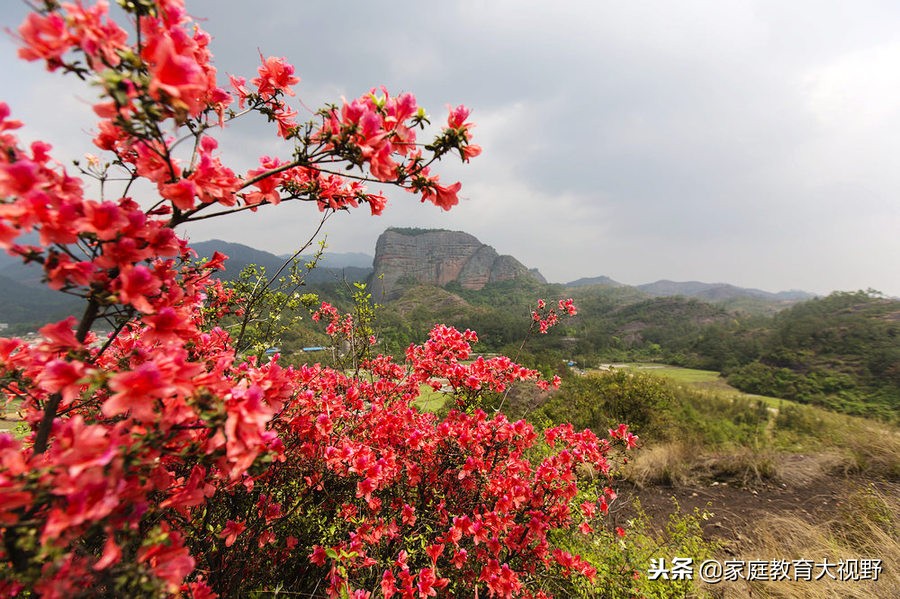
(156, 461)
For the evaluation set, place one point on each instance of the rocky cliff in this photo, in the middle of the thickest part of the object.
(437, 257)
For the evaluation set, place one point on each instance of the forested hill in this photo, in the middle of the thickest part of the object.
(718, 291)
(240, 256)
(841, 351)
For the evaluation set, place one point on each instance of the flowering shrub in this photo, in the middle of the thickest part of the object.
(158, 463)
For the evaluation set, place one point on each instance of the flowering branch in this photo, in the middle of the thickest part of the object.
(158, 463)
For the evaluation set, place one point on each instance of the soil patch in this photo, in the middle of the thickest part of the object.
(805, 489)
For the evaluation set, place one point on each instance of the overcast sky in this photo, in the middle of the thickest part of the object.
(754, 143)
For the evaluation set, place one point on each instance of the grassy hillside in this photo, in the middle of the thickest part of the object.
(765, 478)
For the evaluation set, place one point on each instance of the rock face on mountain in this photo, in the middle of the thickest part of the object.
(437, 257)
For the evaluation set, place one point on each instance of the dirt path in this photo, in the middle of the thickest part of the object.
(805, 489)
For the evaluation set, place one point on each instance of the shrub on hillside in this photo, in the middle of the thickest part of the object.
(600, 401)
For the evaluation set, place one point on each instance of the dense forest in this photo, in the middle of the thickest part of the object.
(842, 352)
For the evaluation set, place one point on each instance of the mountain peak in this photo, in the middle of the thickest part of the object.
(438, 257)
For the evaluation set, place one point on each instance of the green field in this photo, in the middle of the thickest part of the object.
(430, 400)
(708, 380)
(676, 373)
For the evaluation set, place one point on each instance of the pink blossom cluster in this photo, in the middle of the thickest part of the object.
(548, 317)
(158, 463)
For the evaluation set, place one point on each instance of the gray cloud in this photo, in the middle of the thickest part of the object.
(751, 142)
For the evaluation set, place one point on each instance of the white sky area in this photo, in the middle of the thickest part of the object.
(749, 142)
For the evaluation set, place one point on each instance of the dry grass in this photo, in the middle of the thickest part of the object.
(865, 526)
(874, 449)
(723, 443)
(680, 464)
(743, 465)
(664, 464)
(863, 447)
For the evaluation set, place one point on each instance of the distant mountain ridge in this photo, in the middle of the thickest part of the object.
(711, 292)
(403, 256)
(240, 256)
(338, 259)
(24, 303)
(601, 280)
(718, 291)
(437, 257)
